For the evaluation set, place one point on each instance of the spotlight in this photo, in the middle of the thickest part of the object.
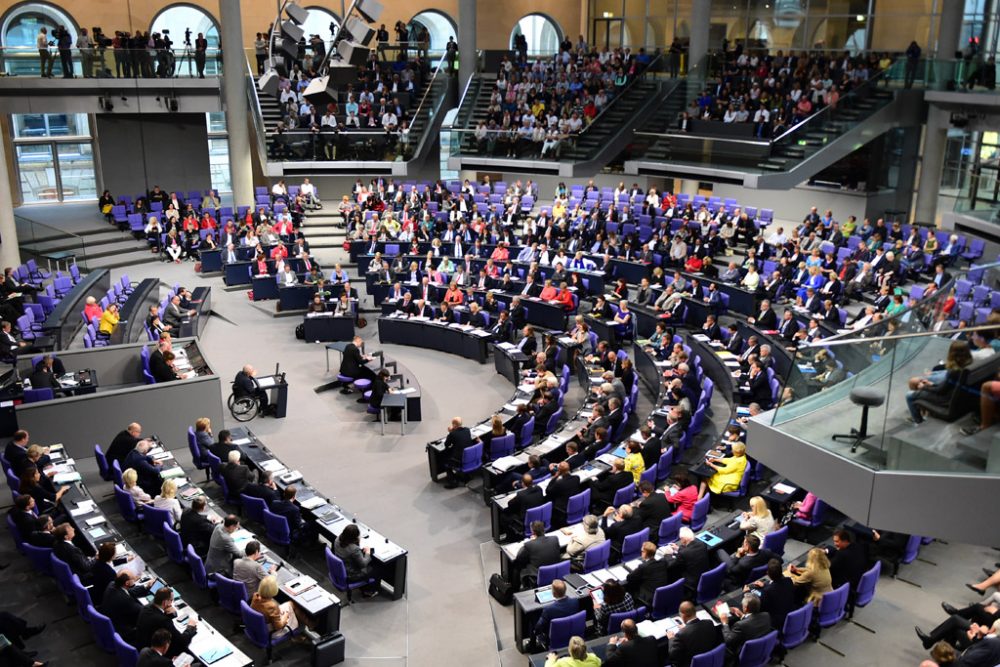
(106, 104)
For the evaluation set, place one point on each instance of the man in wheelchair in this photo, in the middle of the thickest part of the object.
(245, 385)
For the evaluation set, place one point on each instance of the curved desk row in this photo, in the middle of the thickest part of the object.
(460, 339)
(132, 315)
(64, 321)
(401, 379)
(330, 519)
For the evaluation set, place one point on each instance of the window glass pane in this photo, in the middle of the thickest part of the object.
(216, 121)
(218, 163)
(37, 173)
(51, 125)
(76, 171)
(319, 23)
(540, 32)
(178, 19)
(439, 29)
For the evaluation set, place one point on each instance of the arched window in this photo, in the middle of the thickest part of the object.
(176, 20)
(19, 30)
(541, 32)
(439, 26)
(321, 22)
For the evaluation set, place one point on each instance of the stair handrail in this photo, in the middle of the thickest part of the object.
(256, 116)
(433, 111)
(430, 84)
(58, 230)
(628, 86)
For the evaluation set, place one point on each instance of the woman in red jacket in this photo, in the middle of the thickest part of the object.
(683, 495)
(565, 297)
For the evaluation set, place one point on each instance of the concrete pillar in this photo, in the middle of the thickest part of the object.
(466, 41)
(950, 29)
(931, 164)
(10, 253)
(701, 13)
(234, 96)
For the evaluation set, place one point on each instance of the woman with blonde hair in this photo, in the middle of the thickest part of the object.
(728, 472)
(130, 477)
(497, 430)
(758, 521)
(167, 500)
(578, 656)
(278, 616)
(814, 578)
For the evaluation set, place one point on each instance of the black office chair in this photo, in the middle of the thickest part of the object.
(242, 406)
(866, 397)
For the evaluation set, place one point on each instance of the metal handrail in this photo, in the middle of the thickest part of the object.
(256, 115)
(628, 86)
(830, 342)
(59, 231)
(427, 90)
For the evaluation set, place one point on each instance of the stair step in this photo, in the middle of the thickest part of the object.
(120, 259)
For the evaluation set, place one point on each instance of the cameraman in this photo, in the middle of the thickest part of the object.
(200, 52)
(64, 42)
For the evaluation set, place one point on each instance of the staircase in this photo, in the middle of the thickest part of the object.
(103, 247)
(622, 112)
(324, 230)
(660, 122)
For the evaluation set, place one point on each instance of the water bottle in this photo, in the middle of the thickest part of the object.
(26, 383)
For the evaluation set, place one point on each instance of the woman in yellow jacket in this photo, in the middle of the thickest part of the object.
(578, 656)
(633, 460)
(728, 472)
(109, 320)
(814, 577)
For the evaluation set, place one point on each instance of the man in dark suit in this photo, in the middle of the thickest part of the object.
(120, 603)
(696, 636)
(560, 607)
(528, 497)
(690, 562)
(225, 445)
(44, 376)
(563, 485)
(766, 320)
(245, 384)
(518, 314)
(146, 468)
(353, 362)
(42, 535)
(653, 508)
(160, 614)
(155, 655)
(735, 342)
(286, 507)
(651, 574)
(671, 436)
(752, 623)
(123, 443)
(539, 550)
(196, 528)
(264, 488)
(22, 515)
(235, 474)
(759, 390)
(544, 409)
(748, 557)
(71, 554)
(847, 560)
(626, 523)
(789, 326)
(459, 437)
(631, 650)
(603, 491)
(777, 597)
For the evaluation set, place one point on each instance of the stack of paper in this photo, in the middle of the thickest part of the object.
(506, 463)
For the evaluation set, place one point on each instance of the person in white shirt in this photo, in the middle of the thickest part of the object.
(389, 121)
(751, 280)
(279, 189)
(167, 500)
(308, 192)
(352, 119)
(288, 277)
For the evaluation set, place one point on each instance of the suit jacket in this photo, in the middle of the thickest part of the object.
(119, 448)
(150, 658)
(984, 652)
(353, 362)
(236, 475)
(638, 652)
(151, 619)
(556, 609)
(543, 414)
(71, 554)
(122, 607)
(265, 493)
(222, 449)
(651, 452)
(101, 575)
(778, 599)
(643, 581)
(560, 489)
(698, 636)
(519, 317)
(605, 489)
(735, 344)
(691, 562)
(456, 442)
(535, 553)
(149, 475)
(767, 321)
(290, 511)
(751, 626)
(221, 552)
(159, 369)
(526, 499)
(847, 565)
(617, 533)
(760, 391)
(172, 316)
(739, 570)
(196, 530)
(44, 379)
(652, 511)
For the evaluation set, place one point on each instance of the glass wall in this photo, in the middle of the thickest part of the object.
(55, 157)
(541, 32)
(439, 27)
(321, 22)
(218, 152)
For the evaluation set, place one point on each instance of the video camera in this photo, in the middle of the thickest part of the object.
(100, 40)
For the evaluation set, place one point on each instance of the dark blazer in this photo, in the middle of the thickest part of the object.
(151, 619)
(751, 626)
(643, 581)
(543, 414)
(778, 599)
(265, 493)
(456, 442)
(196, 530)
(352, 362)
(536, 553)
(556, 609)
(519, 317)
(148, 474)
(617, 533)
(222, 449)
(652, 511)
(735, 344)
(767, 321)
(71, 554)
(159, 369)
(119, 448)
(237, 477)
(44, 379)
(651, 452)
(604, 490)
(560, 489)
(290, 511)
(691, 562)
(847, 565)
(101, 575)
(739, 570)
(638, 652)
(150, 658)
(984, 652)
(760, 391)
(122, 607)
(526, 499)
(698, 636)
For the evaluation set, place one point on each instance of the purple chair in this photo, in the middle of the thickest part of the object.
(667, 599)
(102, 463)
(82, 597)
(624, 495)
(277, 530)
(197, 567)
(502, 446)
(549, 573)
(175, 547)
(125, 652)
(553, 421)
(833, 606)
(256, 630)
(757, 652)
(699, 516)
(253, 507)
(153, 519)
(40, 557)
(541, 513)
(562, 629)
(527, 433)
(577, 506)
(710, 584)
(338, 575)
(714, 658)
(104, 630)
(776, 541)
(632, 545)
(669, 529)
(795, 630)
(596, 557)
(663, 466)
(865, 592)
(615, 620)
(197, 456)
(15, 535)
(126, 505)
(231, 593)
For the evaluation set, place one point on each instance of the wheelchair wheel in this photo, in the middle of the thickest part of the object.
(244, 408)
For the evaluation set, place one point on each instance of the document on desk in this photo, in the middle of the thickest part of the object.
(407, 390)
(313, 502)
(783, 488)
(66, 478)
(657, 629)
(507, 346)
(592, 580)
(242, 441)
(171, 473)
(267, 382)
(527, 387)
(481, 333)
(272, 465)
(505, 463)
(566, 340)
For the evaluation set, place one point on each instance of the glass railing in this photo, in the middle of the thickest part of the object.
(259, 136)
(979, 196)
(51, 246)
(111, 63)
(908, 428)
(975, 75)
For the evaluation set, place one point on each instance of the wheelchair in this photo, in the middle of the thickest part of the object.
(243, 407)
